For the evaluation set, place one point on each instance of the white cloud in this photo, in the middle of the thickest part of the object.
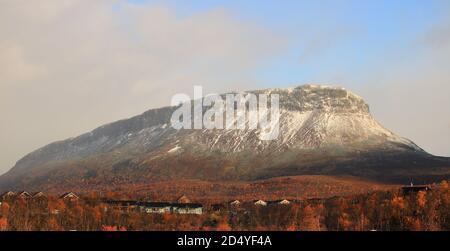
(14, 67)
(69, 66)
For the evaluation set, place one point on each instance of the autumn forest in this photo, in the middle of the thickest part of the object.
(384, 210)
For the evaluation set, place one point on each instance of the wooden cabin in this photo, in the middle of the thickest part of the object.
(234, 203)
(7, 195)
(283, 202)
(70, 196)
(24, 195)
(166, 207)
(38, 195)
(412, 189)
(156, 207)
(187, 208)
(259, 203)
(183, 199)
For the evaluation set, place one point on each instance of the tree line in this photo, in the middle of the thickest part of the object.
(379, 210)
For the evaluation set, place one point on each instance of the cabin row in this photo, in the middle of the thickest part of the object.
(261, 202)
(406, 190)
(412, 189)
(182, 206)
(26, 195)
(157, 207)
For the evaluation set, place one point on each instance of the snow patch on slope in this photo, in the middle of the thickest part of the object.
(175, 149)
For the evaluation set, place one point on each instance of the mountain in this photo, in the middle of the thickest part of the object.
(322, 131)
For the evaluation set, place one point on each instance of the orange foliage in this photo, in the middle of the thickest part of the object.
(421, 198)
(223, 225)
(345, 222)
(109, 228)
(379, 210)
(113, 228)
(3, 224)
(443, 185)
(5, 209)
(398, 202)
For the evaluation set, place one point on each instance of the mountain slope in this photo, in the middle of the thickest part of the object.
(323, 130)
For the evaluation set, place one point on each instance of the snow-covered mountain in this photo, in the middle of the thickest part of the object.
(322, 130)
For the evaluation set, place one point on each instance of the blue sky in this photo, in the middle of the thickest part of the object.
(359, 32)
(395, 54)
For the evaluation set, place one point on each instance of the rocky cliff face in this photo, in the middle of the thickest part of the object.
(311, 117)
(323, 130)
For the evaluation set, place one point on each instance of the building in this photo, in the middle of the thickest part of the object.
(70, 196)
(283, 202)
(183, 199)
(166, 207)
(234, 203)
(187, 208)
(38, 195)
(7, 195)
(279, 202)
(24, 195)
(156, 207)
(260, 203)
(123, 205)
(411, 189)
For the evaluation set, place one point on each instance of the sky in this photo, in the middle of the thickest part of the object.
(69, 66)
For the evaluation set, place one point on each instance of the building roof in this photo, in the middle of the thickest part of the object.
(24, 193)
(260, 202)
(153, 204)
(69, 195)
(8, 193)
(416, 186)
(122, 202)
(183, 199)
(284, 201)
(168, 204)
(38, 194)
(187, 205)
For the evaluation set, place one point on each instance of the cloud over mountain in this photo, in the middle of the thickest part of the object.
(81, 63)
